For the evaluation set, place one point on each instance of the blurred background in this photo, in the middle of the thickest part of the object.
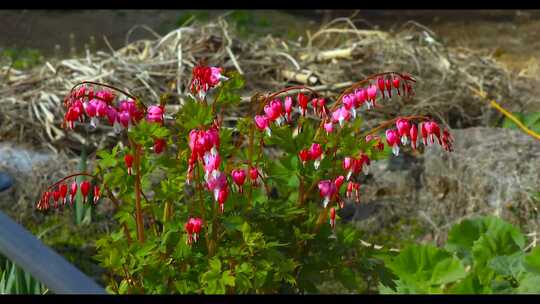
(454, 54)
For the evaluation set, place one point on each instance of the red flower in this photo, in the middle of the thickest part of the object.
(205, 78)
(392, 138)
(73, 192)
(193, 228)
(339, 181)
(85, 189)
(128, 159)
(403, 127)
(159, 145)
(56, 197)
(288, 107)
(353, 189)
(414, 136)
(304, 156)
(254, 175)
(381, 84)
(303, 102)
(239, 178)
(155, 114)
(333, 218)
(96, 194)
(327, 189)
(222, 198)
(63, 193)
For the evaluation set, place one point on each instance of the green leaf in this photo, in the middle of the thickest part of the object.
(347, 278)
(484, 238)
(424, 267)
(529, 284)
(507, 265)
(194, 114)
(469, 285)
(233, 222)
(227, 278)
(532, 261)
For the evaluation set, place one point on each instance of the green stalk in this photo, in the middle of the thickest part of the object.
(82, 213)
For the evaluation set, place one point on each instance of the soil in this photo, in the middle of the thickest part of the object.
(512, 36)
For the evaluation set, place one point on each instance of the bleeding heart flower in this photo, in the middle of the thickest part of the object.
(361, 96)
(414, 136)
(85, 189)
(353, 189)
(395, 82)
(327, 189)
(303, 102)
(339, 181)
(424, 133)
(304, 156)
(159, 145)
(329, 127)
(340, 115)
(389, 87)
(63, 193)
(433, 131)
(193, 228)
(403, 127)
(447, 140)
(254, 175)
(222, 198)
(262, 124)
(73, 192)
(288, 107)
(239, 178)
(333, 218)
(316, 154)
(128, 160)
(155, 114)
(105, 95)
(124, 118)
(56, 197)
(96, 194)
(381, 84)
(392, 138)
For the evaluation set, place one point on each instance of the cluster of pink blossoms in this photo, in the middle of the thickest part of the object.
(368, 96)
(86, 102)
(314, 153)
(193, 228)
(277, 112)
(205, 78)
(406, 132)
(204, 145)
(59, 195)
(356, 165)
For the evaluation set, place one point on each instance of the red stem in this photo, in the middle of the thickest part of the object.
(110, 87)
(70, 176)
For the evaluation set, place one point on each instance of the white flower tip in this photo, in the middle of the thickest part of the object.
(326, 201)
(317, 163)
(395, 150)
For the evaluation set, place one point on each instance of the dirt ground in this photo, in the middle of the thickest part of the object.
(512, 35)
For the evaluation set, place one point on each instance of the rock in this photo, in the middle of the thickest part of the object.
(491, 171)
(31, 171)
(5, 181)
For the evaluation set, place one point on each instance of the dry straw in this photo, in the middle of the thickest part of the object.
(327, 60)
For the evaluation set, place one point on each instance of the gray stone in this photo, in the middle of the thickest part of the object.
(491, 171)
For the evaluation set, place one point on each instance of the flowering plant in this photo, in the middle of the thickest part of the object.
(209, 206)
